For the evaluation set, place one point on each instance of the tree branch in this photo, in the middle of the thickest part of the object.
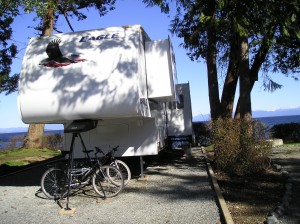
(64, 12)
(262, 53)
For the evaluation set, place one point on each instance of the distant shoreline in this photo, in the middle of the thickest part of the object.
(273, 119)
(268, 119)
(258, 114)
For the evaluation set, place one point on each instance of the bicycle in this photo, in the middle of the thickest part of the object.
(107, 180)
(110, 159)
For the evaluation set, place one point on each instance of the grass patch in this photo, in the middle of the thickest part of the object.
(292, 144)
(209, 148)
(16, 163)
(22, 157)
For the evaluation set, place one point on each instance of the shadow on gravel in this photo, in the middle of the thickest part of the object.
(289, 163)
(29, 175)
(183, 184)
(32, 174)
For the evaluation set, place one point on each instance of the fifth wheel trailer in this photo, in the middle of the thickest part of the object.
(110, 75)
(177, 117)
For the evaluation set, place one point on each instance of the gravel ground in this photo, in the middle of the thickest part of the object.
(176, 191)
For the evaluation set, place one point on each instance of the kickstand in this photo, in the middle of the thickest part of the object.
(59, 204)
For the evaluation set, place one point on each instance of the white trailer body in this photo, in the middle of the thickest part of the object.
(135, 137)
(180, 113)
(101, 75)
(109, 75)
(160, 60)
(176, 116)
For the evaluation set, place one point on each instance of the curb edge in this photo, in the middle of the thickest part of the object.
(221, 201)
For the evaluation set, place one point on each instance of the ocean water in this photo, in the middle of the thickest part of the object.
(271, 121)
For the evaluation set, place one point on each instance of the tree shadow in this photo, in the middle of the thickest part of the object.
(185, 185)
(29, 175)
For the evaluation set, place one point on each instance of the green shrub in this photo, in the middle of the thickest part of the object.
(15, 142)
(53, 141)
(50, 141)
(289, 132)
(202, 133)
(237, 153)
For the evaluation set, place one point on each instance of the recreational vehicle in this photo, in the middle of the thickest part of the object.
(116, 76)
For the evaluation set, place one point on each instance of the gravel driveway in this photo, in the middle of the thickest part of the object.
(173, 191)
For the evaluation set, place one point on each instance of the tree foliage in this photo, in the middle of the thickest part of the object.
(66, 8)
(216, 31)
(8, 50)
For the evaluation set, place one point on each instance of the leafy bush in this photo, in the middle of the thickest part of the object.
(15, 142)
(287, 132)
(53, 141)
(50, 141)
(202, 133)
(237, 153)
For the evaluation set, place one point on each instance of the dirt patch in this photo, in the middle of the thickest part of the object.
(250, 199)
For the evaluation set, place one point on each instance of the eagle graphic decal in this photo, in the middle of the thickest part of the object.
(56, 58)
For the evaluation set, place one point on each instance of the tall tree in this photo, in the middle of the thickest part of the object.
(245, 37)
(48, 12)
(8, 50)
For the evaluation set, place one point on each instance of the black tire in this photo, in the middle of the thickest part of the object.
(122, 166)
(52, 183)
(108, 181)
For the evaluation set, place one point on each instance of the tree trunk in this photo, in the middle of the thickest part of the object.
(48, 23)
(245, 80)
(34, 138)
(229, 89)
(212, 76)
(258, 61)
(245, 99)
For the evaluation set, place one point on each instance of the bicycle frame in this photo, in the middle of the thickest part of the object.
(106, 180)
(85, 173)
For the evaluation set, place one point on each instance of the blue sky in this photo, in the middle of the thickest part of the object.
(156, 25)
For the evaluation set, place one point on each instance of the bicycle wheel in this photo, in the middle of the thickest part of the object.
(52, 183)
(108, 181)
(124, 169)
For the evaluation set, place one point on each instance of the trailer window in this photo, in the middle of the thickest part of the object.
(172, 105)
(180, 105)
(155, 105)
